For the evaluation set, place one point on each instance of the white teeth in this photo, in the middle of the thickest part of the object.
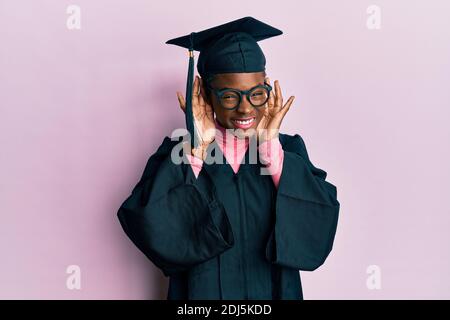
(245, 121)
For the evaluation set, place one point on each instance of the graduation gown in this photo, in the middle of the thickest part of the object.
(226, 235)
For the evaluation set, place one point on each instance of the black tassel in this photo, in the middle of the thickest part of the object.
(190, 123)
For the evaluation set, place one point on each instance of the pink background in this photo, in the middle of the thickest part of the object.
(82, 110)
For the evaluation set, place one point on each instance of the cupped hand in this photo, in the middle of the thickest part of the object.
(269, 126)
(203, 116)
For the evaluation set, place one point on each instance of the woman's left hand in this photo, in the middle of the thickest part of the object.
(274, 112)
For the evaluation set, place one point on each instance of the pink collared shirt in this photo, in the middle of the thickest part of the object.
(270, 153)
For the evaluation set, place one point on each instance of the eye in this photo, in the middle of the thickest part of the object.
(229, 96)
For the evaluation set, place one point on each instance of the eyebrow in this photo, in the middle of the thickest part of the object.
(223, 88)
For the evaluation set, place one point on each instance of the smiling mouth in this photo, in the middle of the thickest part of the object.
(245, 121)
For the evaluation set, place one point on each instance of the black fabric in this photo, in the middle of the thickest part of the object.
(233, 236)
(229, 47)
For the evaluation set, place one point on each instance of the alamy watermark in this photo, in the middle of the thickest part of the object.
(373, 281)
(373, 21)
(73, 281)
(73, 21)
(213, 156)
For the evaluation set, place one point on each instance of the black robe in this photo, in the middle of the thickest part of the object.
(232, 236)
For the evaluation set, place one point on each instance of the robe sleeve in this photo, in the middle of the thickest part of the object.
(170, 219)
(306, 211)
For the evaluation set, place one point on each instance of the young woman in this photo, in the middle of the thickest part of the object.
(227, 229)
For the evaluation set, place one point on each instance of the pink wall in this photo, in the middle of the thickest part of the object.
(82, 110)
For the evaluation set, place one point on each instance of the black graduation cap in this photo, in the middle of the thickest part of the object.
(229, 47)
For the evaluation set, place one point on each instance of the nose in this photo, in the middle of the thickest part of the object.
(245, 106)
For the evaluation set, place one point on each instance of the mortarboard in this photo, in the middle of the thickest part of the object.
(229, 47)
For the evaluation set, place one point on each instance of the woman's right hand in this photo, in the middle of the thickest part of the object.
(203, 117)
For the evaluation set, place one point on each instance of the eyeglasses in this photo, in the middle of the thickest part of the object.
(230, 98)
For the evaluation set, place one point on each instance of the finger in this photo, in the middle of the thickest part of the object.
(181, 101)
(201, 97)
(195, 89)
(204, 99)
(201, 106)
(202, 89)
(201, 101)
(271, 94)
(196, 107)
(286, 107)
(209, 111)
(279, 96)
